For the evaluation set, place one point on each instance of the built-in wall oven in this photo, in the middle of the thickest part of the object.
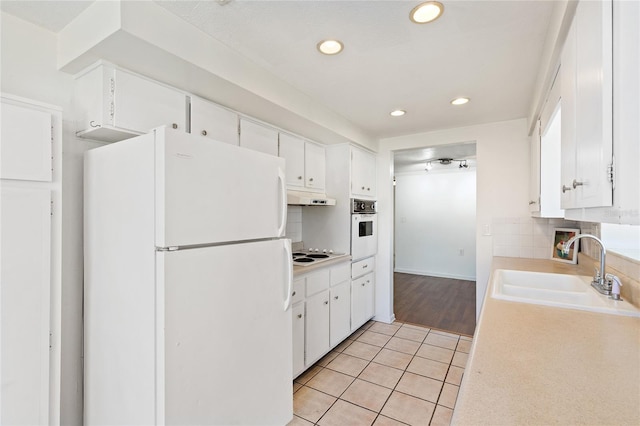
(364, 229)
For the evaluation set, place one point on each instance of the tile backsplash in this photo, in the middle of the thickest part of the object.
(294, 223)
(526, 236)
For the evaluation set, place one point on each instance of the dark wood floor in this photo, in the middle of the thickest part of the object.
(442, 303)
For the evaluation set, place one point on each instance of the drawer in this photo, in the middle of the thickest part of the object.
(298, 290)
(340, 273)
(362, 267)
(317, 281)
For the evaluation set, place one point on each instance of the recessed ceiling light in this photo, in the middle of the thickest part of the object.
(398, 113)
(459, 101)
(426, 12)
(330, 47)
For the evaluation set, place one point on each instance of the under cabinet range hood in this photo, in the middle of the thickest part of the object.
(300, 198)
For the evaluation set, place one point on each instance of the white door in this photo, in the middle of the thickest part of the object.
(25, 274)
(209, 193)
(227, 336)
(340, 313)
(315, 164)
(317, 327)
(298, 338)
(292, 150)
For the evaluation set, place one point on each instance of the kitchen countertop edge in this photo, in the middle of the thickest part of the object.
(535, 364)
(301, 270)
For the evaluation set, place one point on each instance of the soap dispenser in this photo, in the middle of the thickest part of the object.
(615, 286)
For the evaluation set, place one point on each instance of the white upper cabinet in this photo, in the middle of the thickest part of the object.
(586, 76)
(258, 137)
(114, 104)
(305, 163)
(25, 151)
(600, 110)
(363, 173)
(213, 121)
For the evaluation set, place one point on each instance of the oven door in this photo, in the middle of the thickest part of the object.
(364, 236)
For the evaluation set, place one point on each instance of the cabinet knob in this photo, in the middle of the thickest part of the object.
(336, 298)
(566, 188)
(363, 188)
(577, 184)
(293, 294)
(365, 266)
(299, 177)
(310, 179)
(299, 315)
(368, 189)
(362, 284)
(368, 281)
(174, 125)
(531, 202)
(203, 133)
(326, 302)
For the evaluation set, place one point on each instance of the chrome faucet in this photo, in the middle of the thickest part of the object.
(600, 281)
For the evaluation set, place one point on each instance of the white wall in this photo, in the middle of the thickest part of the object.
(28, 69)
(502, 191)
(435, 223)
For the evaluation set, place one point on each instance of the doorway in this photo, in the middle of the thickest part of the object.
(434, 237)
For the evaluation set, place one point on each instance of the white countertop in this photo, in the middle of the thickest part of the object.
(533, 364)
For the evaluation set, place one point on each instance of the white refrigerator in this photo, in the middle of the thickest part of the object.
(187, 315)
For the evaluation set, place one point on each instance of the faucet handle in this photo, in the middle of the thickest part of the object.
(597, 273)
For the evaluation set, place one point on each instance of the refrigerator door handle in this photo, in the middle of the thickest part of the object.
(289, 262)
(283, 205)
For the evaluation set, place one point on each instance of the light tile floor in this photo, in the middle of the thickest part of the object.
(384, 374)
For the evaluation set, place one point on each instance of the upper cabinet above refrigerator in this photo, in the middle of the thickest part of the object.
(113, 104)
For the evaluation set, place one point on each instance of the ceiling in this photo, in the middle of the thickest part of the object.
(415, 160)
(488, 51)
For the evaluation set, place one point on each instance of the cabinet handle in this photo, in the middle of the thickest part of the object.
(203, 133)
(326, 302)
(566, 188)
(531, 202)
(577, 184)
(293, 294)
(299, 315)
(93, 124)
(365, 266)
(336, 298)
(174, 125)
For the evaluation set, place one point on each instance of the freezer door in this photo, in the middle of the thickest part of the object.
(210, 192)
(225, 356)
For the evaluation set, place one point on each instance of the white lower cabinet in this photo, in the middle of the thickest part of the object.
(321, 319)
(362, 300)
(340, 313)
(317, 327)
(297, 312)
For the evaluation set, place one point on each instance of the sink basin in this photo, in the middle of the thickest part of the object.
(565, 291)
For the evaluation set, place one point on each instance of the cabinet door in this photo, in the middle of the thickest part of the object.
(213, 121)
(141, 104)
(587, 108)
(292, 150)
(315, 166)
(340, 313)
(258, 137)
(298, 338)
(362, 300)
(25, 273)
(534, 175)
(317, 327)
(363, 173)
(25, 151)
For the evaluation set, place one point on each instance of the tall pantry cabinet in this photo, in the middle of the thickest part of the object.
(30, 261)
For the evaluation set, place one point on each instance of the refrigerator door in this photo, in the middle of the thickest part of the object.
(225, 356)
(209, 192)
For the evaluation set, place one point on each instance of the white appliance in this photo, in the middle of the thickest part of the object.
(178, 330)
(364, 229)
(300, 198)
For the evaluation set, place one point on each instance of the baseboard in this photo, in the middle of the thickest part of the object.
(435, 274)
